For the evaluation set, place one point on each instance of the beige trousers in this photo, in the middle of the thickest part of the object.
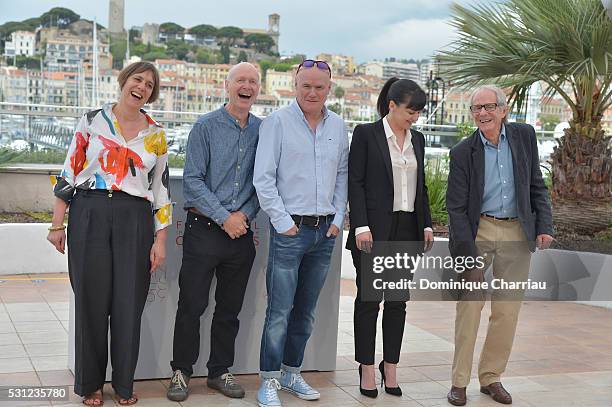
(504, 246)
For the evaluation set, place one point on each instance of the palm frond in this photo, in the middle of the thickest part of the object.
(566, 44)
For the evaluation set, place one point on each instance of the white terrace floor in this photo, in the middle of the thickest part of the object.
(562, 354)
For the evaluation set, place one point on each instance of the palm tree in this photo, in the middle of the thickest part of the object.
(566, 44)
(339, 94)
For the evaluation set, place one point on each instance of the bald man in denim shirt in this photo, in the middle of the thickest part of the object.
(221, 202)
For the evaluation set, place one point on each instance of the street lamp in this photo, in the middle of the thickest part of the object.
(439, 79)
(433, 88)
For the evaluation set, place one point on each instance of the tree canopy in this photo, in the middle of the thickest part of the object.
(225, 54)
(339, 92)
(32, 23)
(230, 33)
(153, 55)
(242, 57)
(204, 56)
(9, 27)
(203, 31)
(177, 49)
(59, 17)
(56, 17)
(261, 42)
(171, 28)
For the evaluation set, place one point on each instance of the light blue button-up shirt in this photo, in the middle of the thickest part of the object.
(499, 197)
(218, 174)
(301, 172)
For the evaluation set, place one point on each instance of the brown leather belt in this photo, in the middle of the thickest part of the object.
(194, 210)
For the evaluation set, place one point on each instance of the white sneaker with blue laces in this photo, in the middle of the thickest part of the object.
(267, 396)
(294, 383)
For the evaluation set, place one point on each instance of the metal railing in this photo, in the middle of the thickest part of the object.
(52, 126)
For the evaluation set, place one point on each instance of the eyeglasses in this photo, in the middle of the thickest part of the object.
(309, 63)
(489, 107)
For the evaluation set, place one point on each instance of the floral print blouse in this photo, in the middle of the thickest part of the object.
(100, 158)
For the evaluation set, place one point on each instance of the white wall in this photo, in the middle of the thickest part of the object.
(24, 249)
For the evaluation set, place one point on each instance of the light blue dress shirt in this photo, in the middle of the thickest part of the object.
(499, 198)
(218, 174)
(301, 172)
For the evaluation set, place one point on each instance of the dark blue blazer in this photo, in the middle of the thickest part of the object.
(466, 187)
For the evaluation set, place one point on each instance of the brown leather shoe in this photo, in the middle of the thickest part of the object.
(497, 392)
(456, 396)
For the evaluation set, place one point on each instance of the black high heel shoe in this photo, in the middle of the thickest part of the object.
(368, 393)
(394, 391)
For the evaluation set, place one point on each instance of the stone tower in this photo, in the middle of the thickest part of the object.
(273, 30)
(116, 14)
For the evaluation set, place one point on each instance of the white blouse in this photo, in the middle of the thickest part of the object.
(404, 166)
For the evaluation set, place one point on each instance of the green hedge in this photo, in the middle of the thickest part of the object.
(9, 156)
(436, 179)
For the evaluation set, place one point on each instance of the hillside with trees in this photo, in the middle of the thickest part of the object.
(232, 43)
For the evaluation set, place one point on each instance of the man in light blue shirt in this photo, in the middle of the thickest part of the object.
(300, 176)
(498, 198)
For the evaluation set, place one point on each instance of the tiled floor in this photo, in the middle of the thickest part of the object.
(562, 354)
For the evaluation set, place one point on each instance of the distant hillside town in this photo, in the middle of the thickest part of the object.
(60, 58)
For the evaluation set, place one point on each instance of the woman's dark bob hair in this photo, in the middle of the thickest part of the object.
(401, 91)
(139, 67)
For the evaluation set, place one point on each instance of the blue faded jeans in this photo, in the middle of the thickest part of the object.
(297, 268)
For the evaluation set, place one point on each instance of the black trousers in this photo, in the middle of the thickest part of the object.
(109, 243)
(404, 228)
(209, 251)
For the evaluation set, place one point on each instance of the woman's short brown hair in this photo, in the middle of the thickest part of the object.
(138, 67)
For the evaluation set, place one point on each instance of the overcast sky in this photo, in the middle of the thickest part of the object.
(364, 29)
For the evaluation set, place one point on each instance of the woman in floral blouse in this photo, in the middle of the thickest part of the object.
(115, 180)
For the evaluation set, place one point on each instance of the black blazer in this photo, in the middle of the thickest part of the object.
(370, 183)
(466, 187)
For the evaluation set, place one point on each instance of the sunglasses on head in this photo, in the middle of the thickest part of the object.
(309, 63)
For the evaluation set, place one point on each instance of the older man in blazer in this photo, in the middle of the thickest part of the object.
(498, 208)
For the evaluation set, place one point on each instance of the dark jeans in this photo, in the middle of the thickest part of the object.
(209, 251)
(297, 268)
(394, 314)
(109, 242)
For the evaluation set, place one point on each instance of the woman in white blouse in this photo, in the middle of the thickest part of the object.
(115, 180)
(388, 203)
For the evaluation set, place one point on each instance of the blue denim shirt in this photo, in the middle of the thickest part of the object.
(499, 197)
(218, 174)
(301, 172)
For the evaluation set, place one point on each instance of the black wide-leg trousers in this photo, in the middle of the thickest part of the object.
(404, 228)
(109, 241)
(208, 251)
